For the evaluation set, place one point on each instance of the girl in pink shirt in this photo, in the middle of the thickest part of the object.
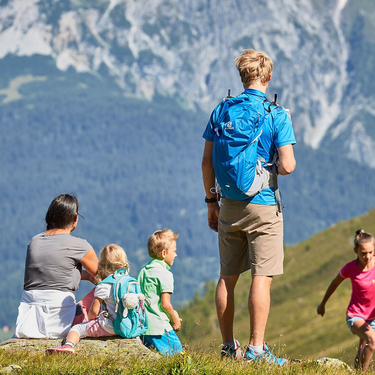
(360, 315)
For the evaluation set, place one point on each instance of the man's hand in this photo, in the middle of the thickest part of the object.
(213, 216)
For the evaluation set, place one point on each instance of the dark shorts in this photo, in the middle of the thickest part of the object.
(250, 237)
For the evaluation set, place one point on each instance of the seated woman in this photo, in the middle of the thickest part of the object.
(53, 271)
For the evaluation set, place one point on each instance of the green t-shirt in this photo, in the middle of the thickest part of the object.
(155, 279)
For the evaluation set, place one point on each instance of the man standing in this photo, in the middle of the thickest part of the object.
(250, 230)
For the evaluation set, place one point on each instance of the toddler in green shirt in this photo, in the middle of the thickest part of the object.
(156, 281)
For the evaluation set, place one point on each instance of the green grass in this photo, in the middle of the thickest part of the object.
(194, 361)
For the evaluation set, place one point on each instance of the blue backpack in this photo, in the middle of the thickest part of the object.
(240, 172)
(131, 319)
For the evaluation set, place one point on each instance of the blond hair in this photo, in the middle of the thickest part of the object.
(159, 241)
(362, 237)
(253, 66)
(112, 258)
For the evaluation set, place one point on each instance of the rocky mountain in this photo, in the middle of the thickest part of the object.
(323, 51)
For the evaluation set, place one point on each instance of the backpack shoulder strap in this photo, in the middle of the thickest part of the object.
(115, 281)
(270, 106)
(116, 288)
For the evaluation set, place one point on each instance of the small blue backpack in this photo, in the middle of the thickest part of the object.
(238, 122)
(131, 319)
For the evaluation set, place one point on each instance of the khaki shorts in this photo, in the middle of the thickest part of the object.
(250, 237)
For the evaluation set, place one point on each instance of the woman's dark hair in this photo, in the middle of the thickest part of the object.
(62, 212)
(362, 237)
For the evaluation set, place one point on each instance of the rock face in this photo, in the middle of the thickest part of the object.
(87, 346)
(323, 51)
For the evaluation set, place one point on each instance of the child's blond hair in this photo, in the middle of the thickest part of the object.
(159, 241)
(253, 66)
(112, 258)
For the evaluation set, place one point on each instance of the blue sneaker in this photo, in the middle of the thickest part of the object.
(265, 356)
(234, 352)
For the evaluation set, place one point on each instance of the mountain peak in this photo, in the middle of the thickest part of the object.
(186, 49)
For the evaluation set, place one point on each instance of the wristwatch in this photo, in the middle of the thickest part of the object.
(210, 200)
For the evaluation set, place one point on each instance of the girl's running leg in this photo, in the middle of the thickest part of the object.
(366, 334)
(357, 360)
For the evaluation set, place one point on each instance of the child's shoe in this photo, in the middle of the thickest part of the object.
(230, 351)
(61, 349)
(265, 356)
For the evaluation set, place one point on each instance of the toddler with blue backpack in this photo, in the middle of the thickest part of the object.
(118, 307)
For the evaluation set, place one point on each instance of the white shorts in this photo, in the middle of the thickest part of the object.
(45, 314)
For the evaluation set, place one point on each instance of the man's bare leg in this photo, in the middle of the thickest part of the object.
(259, 307)
(225, 306)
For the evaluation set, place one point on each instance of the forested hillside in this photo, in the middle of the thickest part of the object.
(135, 166)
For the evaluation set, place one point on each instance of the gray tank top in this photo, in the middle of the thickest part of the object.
(53, 262)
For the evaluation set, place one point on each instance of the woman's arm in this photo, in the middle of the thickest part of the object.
(330, 290)
(86, 276)
(95, 308)
(168, 308)
(90, 262)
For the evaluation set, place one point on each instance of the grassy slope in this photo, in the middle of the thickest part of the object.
(294, 327)
(192, 362)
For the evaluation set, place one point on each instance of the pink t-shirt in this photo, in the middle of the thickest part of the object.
(362, 301)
